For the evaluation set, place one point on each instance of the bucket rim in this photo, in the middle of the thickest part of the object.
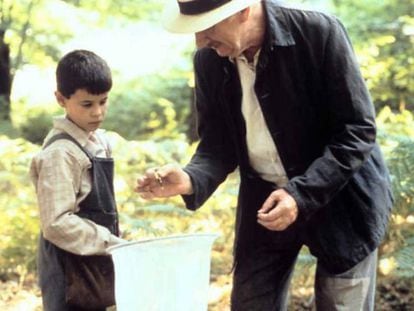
(112, 248)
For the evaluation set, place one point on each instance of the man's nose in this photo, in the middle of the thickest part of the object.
(201, 39)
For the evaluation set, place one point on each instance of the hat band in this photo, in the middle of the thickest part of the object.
(199, 6)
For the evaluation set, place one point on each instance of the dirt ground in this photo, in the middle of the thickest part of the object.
(392, 295)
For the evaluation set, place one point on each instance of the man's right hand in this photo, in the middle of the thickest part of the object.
(165, 181)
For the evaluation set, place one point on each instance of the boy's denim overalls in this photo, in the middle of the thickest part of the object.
(100, 207)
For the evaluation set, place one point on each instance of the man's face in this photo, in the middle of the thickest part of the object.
(84, 109)
(224, 37)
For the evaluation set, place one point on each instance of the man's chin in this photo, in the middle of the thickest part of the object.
(223, 53)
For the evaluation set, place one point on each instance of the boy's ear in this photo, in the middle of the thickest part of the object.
(60, 99)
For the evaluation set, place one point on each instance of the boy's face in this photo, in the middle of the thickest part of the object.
(84, 109)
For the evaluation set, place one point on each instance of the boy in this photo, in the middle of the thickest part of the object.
(73, 176)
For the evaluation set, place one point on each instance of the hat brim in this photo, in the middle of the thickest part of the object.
(176, 22)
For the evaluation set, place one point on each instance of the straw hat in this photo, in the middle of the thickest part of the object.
(191, 16)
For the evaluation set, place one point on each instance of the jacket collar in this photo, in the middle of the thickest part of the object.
(277, 28)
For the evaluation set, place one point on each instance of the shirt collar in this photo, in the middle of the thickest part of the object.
(243, 59)
(278, 32)
(62, 123)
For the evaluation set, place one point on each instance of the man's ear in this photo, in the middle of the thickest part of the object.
(60, 99)
(244, 14)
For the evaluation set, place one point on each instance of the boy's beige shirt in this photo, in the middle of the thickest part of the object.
(61, 178)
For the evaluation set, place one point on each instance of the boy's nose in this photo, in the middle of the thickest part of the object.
(97, 111)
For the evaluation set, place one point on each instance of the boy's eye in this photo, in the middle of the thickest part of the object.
(86, 105)
(102, 103)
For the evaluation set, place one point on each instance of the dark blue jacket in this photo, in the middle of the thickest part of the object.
(322, 120)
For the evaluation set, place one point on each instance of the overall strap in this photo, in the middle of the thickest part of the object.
(68, 137)
(99, 205)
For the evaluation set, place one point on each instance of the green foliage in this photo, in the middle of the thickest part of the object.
(394, 124)
(36, 127)
(401, 164)
(36, 29)
(27, 30)
(137, 9)
(38, 32)
(304, 272)
(19, 222)
(397, 139)
(153, 106)
(33, 123)
(398, 243)
(404, 259)
(385, 47)
(7, 128)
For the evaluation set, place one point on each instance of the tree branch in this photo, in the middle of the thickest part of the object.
(23, 36)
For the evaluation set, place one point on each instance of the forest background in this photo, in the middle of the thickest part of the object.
(151, 122)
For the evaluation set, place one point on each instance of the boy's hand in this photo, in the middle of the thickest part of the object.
(278, 212)
(166, 181)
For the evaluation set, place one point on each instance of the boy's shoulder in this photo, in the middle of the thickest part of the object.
(103, 135)
(105, 139)
(61, 150)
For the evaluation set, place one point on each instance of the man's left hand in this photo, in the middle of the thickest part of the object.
(278, 212)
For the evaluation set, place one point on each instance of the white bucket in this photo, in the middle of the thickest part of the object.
(163, 274)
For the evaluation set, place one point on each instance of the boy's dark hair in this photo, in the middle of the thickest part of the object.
(82, 69)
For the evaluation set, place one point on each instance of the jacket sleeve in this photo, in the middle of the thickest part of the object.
(351, 119)
(215, 156)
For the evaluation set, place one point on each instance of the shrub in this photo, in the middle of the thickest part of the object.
(36, 127)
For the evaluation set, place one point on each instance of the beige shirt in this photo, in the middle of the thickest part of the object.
(262, 151)
(61, 178)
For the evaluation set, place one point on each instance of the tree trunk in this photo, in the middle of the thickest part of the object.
(5, 82)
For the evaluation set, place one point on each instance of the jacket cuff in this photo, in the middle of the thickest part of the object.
(304, 213)
(191, 199)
